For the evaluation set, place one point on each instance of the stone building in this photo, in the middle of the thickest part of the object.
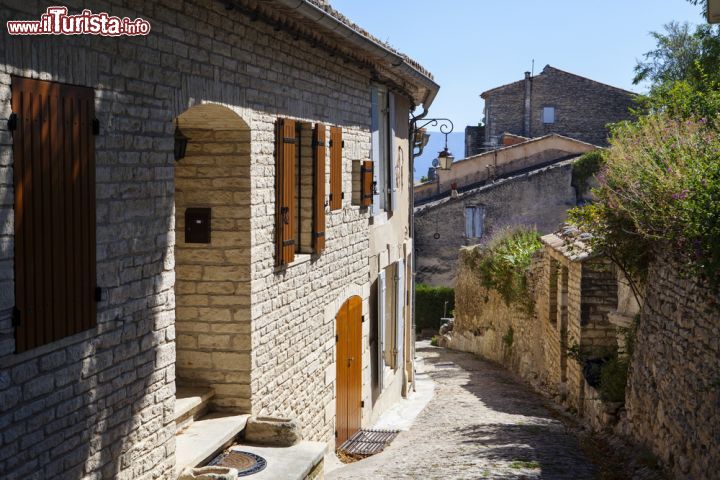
(474, 140)
(554, 101)
(209, 242)
(530, 183)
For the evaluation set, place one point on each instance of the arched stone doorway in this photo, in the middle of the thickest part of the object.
(212, 287)
(348, 364)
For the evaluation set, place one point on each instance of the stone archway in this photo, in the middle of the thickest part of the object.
(212, 288)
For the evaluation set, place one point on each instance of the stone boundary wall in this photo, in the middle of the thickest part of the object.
(673, 396)
(535, 343)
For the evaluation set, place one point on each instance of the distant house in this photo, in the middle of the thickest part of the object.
(554, 102)
(528, 183)
(198, 225)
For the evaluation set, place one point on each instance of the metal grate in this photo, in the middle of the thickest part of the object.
(245, 462)
(368, 442)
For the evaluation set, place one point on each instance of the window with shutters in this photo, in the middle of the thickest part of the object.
(300, 190)
(362, 183)
(382, 142)
(54, 183)
(474, 218)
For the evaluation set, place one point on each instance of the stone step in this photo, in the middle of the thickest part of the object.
(191, 403)
(205, 438)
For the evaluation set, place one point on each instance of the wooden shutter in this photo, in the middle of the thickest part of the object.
(285, 192)
(375, 146)
(366, 183)
(54, 181)
(381, 327)
(400, 313)
(336, 146)
(393, 154)
(318, 234)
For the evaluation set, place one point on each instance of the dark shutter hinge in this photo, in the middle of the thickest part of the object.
(318, 234)
(288, 140)
(337, 338)
(342, 195)
(98, 294)
(362, 403)
(335, 433)
(96, 126)
(343, 144)
(363, 319)
(12, 122)
(330, 197)
(317, 143)
(16, 317)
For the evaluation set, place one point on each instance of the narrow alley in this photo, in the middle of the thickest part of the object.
(480, 423)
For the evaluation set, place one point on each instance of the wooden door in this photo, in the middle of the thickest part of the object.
(348, 369)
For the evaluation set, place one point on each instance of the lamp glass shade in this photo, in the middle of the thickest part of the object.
(445, 160)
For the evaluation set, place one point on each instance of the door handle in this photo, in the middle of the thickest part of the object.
(350, 360)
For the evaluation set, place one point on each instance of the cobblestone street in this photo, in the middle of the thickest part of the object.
(481, 423)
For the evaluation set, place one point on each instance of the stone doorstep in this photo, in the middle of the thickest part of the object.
(191, 403)
(205, 438)
(288, 463)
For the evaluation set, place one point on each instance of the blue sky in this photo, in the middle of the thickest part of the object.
(474, 45)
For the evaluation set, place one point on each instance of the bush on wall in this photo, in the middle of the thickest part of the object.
(430, 305)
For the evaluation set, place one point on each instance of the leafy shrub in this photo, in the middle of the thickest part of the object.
(503, 263)
(613, 378)
(430, 305)
(659, 189)
(509, 337)
(585, 167)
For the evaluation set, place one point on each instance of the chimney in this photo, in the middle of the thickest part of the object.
(528, 106)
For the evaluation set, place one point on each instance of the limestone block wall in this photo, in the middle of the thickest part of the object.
(673, 384)
(486, 325)
(538, 347)
(213, 280)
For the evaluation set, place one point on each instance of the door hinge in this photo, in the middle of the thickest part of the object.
(96, 126)
(12, 122)
(16, 317)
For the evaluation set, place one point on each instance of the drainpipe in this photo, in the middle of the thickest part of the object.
(413, 268)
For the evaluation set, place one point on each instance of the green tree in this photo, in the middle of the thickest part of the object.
(682, 54)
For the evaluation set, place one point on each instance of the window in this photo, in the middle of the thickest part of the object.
(474, 217)
(383, 148)
(54, 183)
(299, 190)
(548, 115)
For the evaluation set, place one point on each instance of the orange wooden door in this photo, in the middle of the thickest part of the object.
(348, 369)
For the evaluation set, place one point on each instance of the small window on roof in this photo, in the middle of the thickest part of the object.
(548, 114)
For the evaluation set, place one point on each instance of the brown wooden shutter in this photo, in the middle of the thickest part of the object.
(54, 180)
(318, 234)
(285, 192)
(336, 146)
(366, 183)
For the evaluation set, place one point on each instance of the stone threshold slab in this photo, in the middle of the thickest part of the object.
(286, 463)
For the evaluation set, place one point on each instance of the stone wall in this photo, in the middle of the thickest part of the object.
(537, 199)
(674, 381)
(213, 280)
(101, 403)
(583, 107)
(534, 343)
